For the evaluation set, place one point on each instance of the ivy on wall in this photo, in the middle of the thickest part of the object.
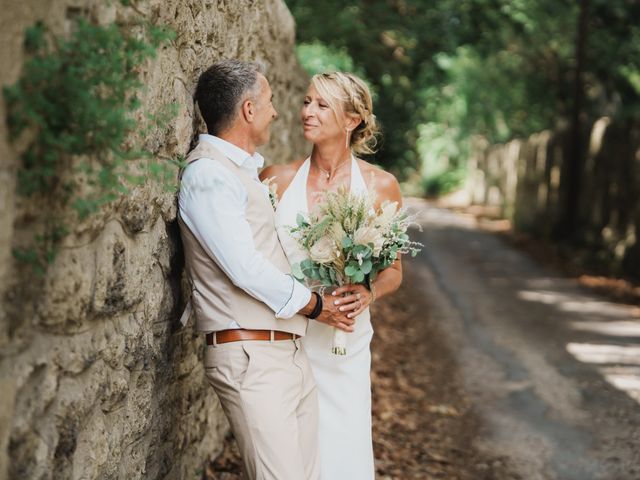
(75, 102)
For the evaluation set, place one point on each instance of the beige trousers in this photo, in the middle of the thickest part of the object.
(269, 396)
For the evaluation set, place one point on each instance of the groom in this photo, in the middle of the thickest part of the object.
(252, 310)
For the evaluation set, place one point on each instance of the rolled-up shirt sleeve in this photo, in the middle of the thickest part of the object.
(212, 203)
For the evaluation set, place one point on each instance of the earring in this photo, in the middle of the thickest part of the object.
(348, 138)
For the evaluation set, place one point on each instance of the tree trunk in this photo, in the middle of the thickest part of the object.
(573, 170)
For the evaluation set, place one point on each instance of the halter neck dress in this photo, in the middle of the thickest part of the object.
(343, 382)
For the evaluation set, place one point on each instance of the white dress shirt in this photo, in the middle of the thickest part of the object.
(212, 202)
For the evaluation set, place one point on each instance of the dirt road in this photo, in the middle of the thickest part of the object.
(488, 366)
(549, 370)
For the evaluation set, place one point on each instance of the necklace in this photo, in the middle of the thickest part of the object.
(328, 173)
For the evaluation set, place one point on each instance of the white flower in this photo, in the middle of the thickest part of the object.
(367, 235)
(323, 251)
(272, 188)
(387, 212)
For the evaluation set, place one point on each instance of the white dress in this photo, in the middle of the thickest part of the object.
(344, 382)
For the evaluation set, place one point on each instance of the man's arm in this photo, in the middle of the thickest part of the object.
(212, 204)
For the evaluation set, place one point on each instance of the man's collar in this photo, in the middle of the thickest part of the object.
(236, 154)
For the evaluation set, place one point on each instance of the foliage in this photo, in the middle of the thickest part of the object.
(316, 57)
(392, 43)
(74, 103)
(443, 182)
(44, 250)
(496, 68)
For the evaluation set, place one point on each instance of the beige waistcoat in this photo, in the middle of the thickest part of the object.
(216, 301)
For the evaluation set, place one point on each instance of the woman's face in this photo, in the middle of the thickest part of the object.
(319, 121)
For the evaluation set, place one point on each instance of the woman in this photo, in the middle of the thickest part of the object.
(338, 120)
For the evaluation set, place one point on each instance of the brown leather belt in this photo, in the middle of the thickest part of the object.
(237, 335)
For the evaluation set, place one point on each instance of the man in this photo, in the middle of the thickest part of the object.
(245, 300)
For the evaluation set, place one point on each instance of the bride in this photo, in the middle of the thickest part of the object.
(338, 120)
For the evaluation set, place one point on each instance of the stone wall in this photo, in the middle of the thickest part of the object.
(98, 380)
(524, 179)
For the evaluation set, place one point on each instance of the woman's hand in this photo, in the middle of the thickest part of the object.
(333, 316)
(356, 299)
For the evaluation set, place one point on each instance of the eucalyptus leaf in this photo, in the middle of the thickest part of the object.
(332, 276)
(350, 270)
(366, 266)
(307, 263)
(296, 271)
(309, 270)
(323, 272)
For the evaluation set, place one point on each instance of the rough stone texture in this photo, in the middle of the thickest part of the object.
(97, 379)
(524, 179)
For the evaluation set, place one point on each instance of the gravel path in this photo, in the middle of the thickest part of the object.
(552, 370)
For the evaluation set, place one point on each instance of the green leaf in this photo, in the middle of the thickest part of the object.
(366, 266)
(332, 276)
(362, 250)
(307, 263)
(296, 271)
(350, 270)
(310, 271)
(34, 38)
(322, 271)
(346, 242)
(358, 277)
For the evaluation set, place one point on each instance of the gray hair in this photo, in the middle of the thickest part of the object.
(222, 88)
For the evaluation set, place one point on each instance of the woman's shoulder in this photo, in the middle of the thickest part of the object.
(385, 183)
(283, 173)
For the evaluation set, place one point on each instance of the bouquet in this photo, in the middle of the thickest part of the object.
(348, 241)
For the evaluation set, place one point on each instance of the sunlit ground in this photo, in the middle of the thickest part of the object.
(617, 356)
(614, 347)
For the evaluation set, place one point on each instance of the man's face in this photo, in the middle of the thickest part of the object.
(264, 112)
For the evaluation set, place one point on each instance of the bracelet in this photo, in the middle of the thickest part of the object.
(318, 308)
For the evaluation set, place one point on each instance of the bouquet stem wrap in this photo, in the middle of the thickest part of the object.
(339, 342)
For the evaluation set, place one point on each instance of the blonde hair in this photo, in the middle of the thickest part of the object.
(347, 94)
